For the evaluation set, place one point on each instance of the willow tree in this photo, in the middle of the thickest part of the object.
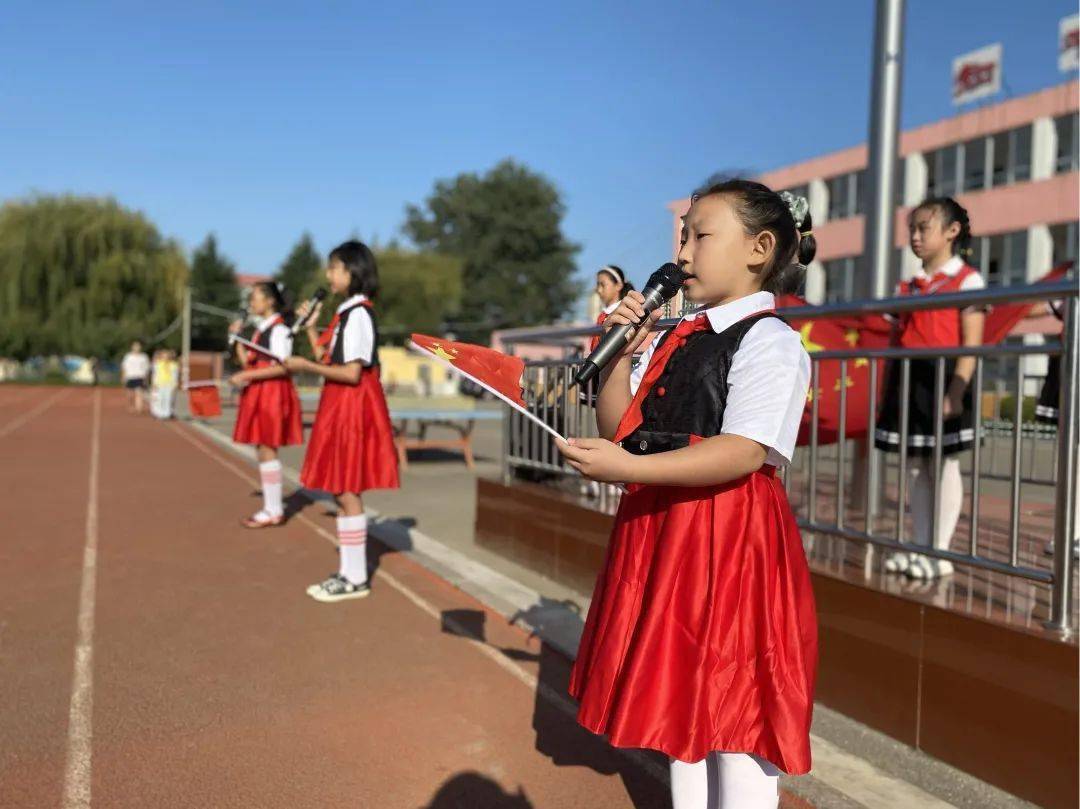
(82, 275)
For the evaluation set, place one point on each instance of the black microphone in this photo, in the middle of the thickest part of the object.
(301, 322)
(661, 287)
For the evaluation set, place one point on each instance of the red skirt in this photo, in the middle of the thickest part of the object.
(352, 441)
(702, 634)
(269, 414)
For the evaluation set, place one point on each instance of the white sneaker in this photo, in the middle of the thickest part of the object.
(339, 588)
(923, 567)
(897, 562)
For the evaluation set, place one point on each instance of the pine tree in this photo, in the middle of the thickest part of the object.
(301, 271)
(213, 282)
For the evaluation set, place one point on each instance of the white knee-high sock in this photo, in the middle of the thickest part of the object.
(922, 501)
(725, 781)
(270, 475)
(352, 544)
(952, 500)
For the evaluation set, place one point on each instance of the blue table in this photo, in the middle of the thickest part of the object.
(461, 421)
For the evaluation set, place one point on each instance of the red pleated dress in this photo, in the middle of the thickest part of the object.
(269, 412)
(351, 448)
(702, 633)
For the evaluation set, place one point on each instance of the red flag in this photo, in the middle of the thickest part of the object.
(492, 370)
(204, 401)
(839, 334)
(1002, 319)
(495, 371)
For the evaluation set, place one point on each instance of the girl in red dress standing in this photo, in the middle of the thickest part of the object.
(269, 412)
(701, 641)
(352, 443)
(611, 287)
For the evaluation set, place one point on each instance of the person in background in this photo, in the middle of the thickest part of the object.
(269, 415)
(351, 449)
(940, 235)
(611, 287)
(163, 382)
(134, 368)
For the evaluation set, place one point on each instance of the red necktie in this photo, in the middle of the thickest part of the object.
(632, 418)
(327, 336)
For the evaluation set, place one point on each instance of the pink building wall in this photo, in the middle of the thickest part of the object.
(996, 210)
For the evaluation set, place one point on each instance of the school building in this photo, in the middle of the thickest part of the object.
(1013, 165)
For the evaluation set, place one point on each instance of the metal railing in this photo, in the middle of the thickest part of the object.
(528, 452)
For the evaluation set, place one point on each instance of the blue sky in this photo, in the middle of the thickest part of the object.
(261, 120)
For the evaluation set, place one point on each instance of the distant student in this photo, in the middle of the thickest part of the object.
(351, 449)
(269, 414)
(611, 287)
(134, 368)
(940, 233)
(163, 383)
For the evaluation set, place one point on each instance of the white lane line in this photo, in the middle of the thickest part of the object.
(846, 773)
(80, 730)
(545, 691)
(18, 422)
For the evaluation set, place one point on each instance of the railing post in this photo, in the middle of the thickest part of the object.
(1065, 493)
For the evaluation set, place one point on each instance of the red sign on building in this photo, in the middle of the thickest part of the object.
(976, 74)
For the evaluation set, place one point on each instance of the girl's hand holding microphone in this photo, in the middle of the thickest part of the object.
(630, 311)
(309, 314)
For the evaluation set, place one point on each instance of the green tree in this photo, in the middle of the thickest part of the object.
(213, 282)
(301, 271)
(83, 275)
(419, 291)
(506, 227)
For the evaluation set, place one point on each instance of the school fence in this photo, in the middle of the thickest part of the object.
(837, 488)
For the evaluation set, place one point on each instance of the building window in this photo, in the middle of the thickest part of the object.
(1066, 240)
(974, 171)
(839, 279)
(1010, 156)
(1002, 258)
(841, 196)
(1068, 143)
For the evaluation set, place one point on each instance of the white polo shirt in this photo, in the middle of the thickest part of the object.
(768, 379)
(359, 332)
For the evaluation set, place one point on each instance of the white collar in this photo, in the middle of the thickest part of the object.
(262, 323)
(611, 307)
(349, 303)
(727, 314)
(949, 268)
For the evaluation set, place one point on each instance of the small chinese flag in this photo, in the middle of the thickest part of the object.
(204, 401)
(493, 370)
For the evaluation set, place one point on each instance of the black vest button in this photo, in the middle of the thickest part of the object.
(661, 392)
(643, 445)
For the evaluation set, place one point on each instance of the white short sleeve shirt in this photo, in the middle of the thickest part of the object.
(281, 340)
(768, 379)
(358, 336)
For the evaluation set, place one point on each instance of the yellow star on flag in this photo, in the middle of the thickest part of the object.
(804, 332)
(852, 337)
(442, 353)
(848, 382)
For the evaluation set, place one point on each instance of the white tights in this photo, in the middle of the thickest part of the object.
(725, 781)
(922, 500)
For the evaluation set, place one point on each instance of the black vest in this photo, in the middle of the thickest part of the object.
(337, 356)
(690, 394)
(262, 339)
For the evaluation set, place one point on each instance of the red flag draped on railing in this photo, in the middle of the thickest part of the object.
(839, 334)
(870, 331)
(1002, 319)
